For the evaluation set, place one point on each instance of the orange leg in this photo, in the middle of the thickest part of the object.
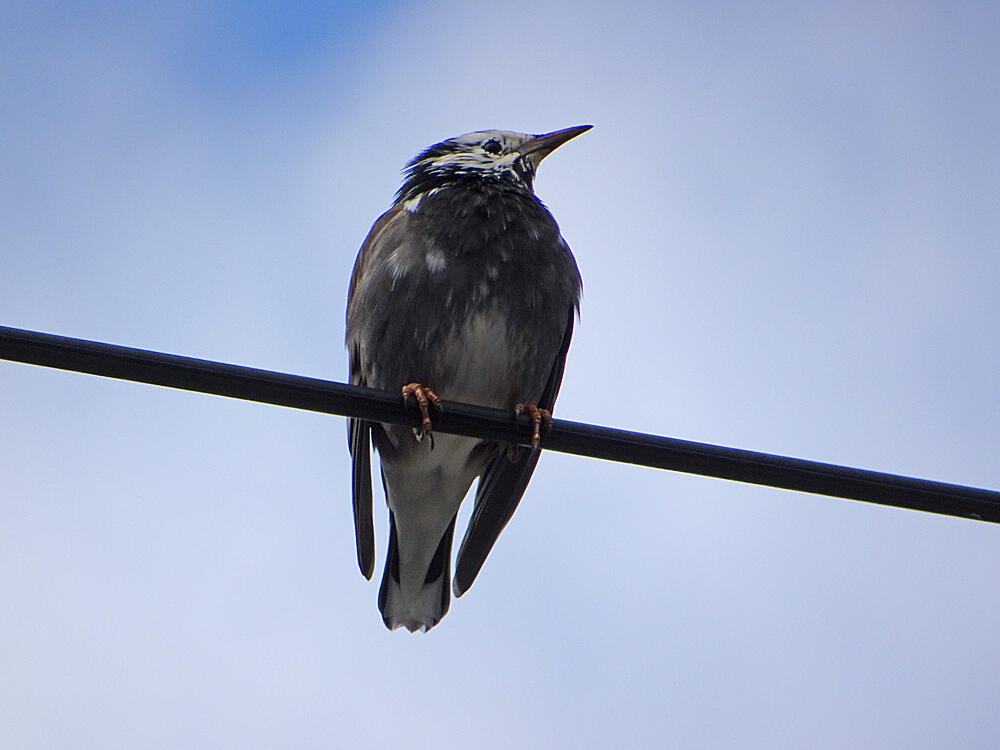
(425, 398)
(538, 416)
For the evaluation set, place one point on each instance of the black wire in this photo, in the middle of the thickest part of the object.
(312, 394)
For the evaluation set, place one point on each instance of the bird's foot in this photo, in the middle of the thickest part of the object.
(538, 418)
(425, 398)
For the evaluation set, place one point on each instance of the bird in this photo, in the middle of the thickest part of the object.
(464, 289)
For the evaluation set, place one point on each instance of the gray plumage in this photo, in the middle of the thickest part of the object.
(466, 286)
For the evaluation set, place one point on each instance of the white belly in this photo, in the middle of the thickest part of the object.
(483, 354)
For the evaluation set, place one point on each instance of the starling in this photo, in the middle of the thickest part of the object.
(465, 290)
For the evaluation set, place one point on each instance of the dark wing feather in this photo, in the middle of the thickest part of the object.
(358, 430)
(360, 444)
(359, 441)
(501, 487)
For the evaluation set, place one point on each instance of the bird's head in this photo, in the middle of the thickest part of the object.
(496, 155)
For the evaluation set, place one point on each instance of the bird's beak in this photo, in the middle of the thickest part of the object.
(542, 145)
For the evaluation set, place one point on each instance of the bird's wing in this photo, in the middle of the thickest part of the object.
(359, 442)
(501, 487)
(359, 430)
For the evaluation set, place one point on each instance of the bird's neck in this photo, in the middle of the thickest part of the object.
(421, 182)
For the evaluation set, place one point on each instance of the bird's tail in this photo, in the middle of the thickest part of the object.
(421, 606)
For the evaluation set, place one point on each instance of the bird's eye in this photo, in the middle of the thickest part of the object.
(492, 146)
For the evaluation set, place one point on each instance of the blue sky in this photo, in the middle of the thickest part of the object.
(786, 218)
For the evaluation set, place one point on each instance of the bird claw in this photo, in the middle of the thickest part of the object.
(538, 417)
(425, 398)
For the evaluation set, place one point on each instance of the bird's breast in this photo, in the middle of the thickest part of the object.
(473, 296)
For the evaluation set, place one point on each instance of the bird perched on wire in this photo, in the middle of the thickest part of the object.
(465, 290)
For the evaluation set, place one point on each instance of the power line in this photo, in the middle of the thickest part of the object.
(325, 396)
